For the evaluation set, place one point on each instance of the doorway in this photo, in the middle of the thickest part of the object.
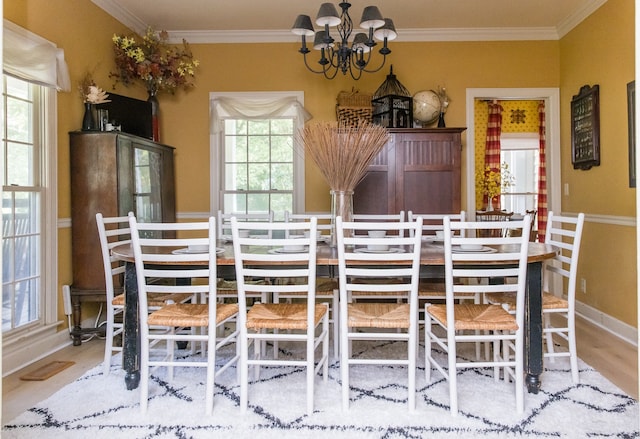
(551, 98)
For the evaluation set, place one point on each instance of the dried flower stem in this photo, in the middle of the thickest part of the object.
(342, 153)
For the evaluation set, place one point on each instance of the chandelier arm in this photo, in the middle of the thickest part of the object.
(353, 75)
(326, 71)
(384, 60)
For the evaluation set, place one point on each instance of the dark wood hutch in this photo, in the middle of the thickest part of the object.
(113, 173)
(419, 169)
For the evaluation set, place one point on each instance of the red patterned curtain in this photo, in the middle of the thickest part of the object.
(542, 175)
(492, 147)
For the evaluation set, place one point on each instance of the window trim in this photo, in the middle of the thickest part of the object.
(216, 143)
(48, 312)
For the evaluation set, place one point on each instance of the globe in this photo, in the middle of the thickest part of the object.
(426, 106)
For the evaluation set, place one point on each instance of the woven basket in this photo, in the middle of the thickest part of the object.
(353, 107)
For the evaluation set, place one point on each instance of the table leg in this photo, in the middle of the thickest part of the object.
(533, 321)
(131, 342)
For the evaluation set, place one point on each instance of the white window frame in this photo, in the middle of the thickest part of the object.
(216, 142)
(35, 341)
(520, 141)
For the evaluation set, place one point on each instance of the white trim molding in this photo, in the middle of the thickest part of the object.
(616, 327)
(23, 351)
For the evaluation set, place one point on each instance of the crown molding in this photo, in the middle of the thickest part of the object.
(566, 25)
(404, 35)
(122, 15)
(478, 34)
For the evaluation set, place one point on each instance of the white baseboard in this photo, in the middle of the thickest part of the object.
(620, 329)
(21, 354)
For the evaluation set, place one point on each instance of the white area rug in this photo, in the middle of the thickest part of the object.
(96, 407)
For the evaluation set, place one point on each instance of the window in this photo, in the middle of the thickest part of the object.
(259, 166)
(34, 69)
(22, 205)
(521, 153)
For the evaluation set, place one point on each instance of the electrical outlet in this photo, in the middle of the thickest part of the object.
(583, 285)
(66, 299)
(566, 189)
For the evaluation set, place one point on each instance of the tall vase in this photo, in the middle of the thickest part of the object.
(88, 120)
(490, 204)
(341, 205)
(155, 113)
(441, 123)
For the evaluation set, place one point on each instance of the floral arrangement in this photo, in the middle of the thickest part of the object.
(493, 181)
(160, 66)
(90, 92)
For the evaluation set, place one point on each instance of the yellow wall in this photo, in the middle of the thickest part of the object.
(601, 51)
(598, 51)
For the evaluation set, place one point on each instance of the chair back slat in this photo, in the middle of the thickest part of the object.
(162, 264)
(280, 258)
(433, 222)
(564, 232)
(224, 222)
(364, 260)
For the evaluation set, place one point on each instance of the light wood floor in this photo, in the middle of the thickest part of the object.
(615, 359)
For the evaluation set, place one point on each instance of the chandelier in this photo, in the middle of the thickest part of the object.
(342, 55)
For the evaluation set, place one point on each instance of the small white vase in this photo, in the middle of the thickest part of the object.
(490, 205)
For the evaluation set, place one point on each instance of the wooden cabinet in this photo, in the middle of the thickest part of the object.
(418, 170)
(113, 173)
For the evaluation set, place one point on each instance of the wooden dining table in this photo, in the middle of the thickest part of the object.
(432, 266)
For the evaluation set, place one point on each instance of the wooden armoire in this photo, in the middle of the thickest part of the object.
(113, 173)
(419, 169)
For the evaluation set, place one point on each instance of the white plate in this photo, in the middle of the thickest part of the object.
(229, 238)
(186, 251)
(391, 250)
(458, 249)
(283, 250)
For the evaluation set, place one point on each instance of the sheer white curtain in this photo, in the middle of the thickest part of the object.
(32, 58)
(223, 107)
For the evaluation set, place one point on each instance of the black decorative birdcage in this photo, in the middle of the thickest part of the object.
(392, 104)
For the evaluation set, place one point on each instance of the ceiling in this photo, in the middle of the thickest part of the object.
(211, 21)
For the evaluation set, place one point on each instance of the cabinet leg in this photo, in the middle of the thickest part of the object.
(77, 319)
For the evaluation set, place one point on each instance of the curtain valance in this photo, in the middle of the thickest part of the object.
(32, 58)
(248, 108)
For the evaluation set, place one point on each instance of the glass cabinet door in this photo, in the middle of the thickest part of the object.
(147, 174)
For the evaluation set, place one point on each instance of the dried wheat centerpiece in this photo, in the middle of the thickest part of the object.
(343, 154)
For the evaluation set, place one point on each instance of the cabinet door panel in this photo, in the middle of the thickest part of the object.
(429, 172)
(437, 194)
(377, 190)
(418, 170)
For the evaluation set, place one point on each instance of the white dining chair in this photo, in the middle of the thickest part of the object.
(158, 258)
(227, 288)
(379, 217)
(434, 289)
(560, 278)
(280, 259)
(559, 288)
(224, 222)
(364, 267)
(326, 287)
(502, 267)
(113, 231)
